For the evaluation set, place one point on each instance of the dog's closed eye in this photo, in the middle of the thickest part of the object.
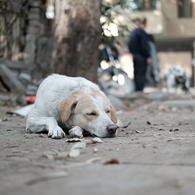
(92, 114)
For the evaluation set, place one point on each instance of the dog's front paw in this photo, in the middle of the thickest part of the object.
(56, 133)
(76, 132)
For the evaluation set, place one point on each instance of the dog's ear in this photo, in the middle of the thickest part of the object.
(66, 105)
(113, 114)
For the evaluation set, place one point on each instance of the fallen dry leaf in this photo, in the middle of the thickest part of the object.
(79, 145)
(74, 140)
(62, 154)
(91, 160)
(148, 122)
(163, 108)
(95, 150)
(125, 126)
(173, 129)
(96, 140)
(134, 131)
(87, 141)
(47, 177)
(74, 153)
(111, 161)
(49, 156)
(174, 139)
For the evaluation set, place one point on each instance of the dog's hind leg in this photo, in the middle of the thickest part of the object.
(170, 83)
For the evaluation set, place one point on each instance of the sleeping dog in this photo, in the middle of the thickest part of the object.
(74, 104)
(176, 76)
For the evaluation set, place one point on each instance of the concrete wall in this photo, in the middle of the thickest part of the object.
(166, 22)
(175, 26)
(155, 24)
(166, 25)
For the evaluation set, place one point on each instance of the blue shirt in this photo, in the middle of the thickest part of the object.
(138, 43)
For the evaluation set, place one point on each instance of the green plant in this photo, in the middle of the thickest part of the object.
(110, 11)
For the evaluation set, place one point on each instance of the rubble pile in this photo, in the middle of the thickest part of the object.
(16, 85)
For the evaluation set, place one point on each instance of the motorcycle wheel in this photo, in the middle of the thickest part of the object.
(116, 82)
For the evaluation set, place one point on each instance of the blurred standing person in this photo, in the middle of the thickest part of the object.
(152, 73)
(139, 47)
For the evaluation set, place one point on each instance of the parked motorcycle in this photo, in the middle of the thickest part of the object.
(113, 80)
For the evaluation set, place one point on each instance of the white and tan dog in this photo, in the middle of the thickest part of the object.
(175, 76)
(72, 103)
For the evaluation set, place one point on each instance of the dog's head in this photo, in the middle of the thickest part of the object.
(93, 112)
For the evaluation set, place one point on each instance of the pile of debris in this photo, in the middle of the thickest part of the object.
(16, 84)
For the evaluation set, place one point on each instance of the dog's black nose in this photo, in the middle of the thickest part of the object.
(112, 129)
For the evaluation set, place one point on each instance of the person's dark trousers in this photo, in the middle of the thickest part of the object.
(139, 71)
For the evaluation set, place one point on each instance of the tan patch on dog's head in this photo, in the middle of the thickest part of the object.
(106, 101)
(92, 112)
(66, 105)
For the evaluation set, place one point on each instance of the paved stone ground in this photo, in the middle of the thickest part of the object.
(154, 155)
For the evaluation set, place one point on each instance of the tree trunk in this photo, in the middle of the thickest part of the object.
(76, 38)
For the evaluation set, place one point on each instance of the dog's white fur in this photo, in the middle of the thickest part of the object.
(72, 103)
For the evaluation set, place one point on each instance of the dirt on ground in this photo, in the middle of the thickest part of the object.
(155, 154)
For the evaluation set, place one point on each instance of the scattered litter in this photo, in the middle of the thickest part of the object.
(49, 157)
(55, 175)
(163, 108)
(74, 153)
(87, 141)
(4, 119)
(79, 145)
(62, 154)
(134, 131)
(111, 161)
(125, 126)
(175, 139)
(173, 129)
(30, 99)
(161, 129)
(144, 145)
(149, 123)
(91, 160)
(43, 135)
(95, 150)
(155, 146)
(96, 140)
(14, 155)
(173, 109)
(74, 140)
